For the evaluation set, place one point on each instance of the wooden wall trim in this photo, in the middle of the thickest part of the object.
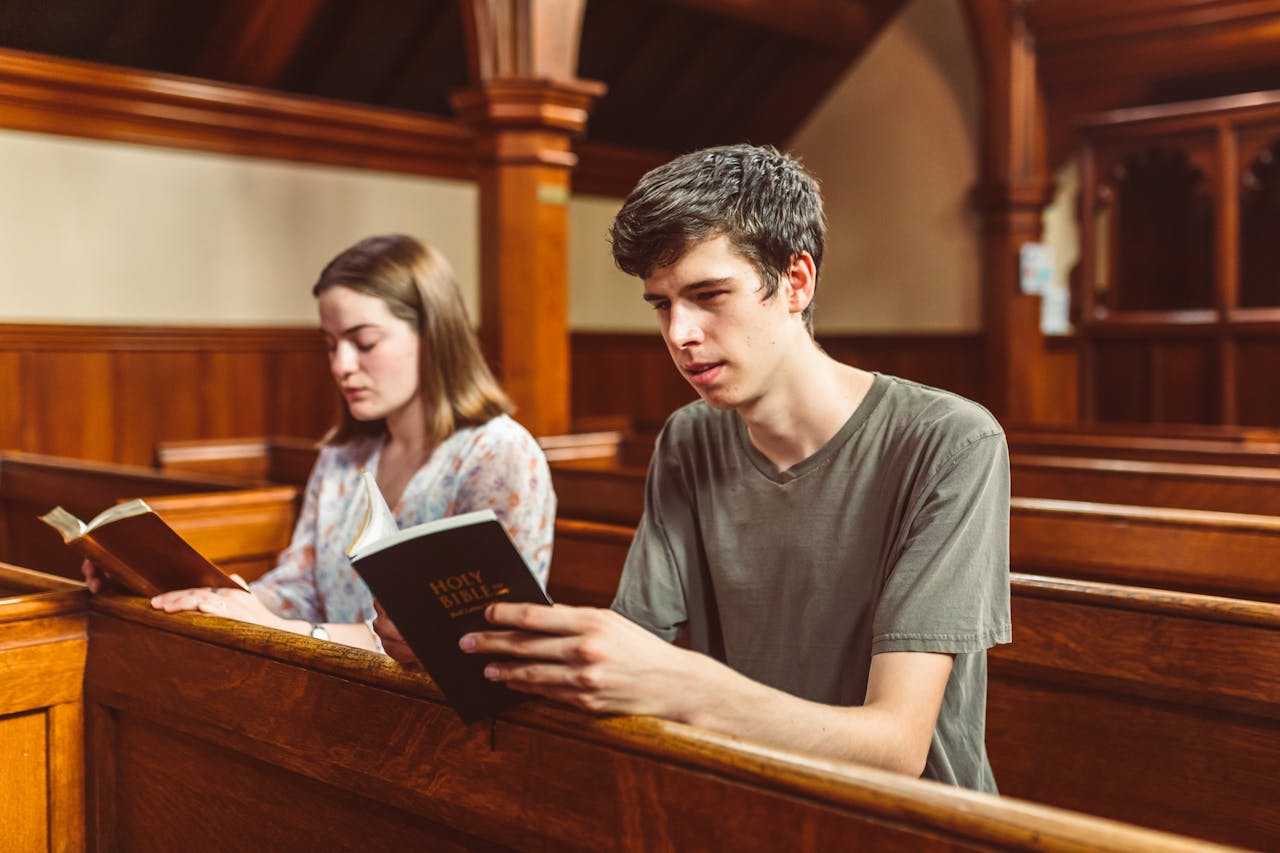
(61, 96)
(46, 94)
(79, 338)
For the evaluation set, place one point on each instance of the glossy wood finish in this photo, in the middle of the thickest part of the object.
(1243, 449)
(248, 775)
(43, 643)
(1217, 553)
(110, 393)
(613, 496)
(31, 485)
(1150, 706)
(1157, 708)
(1221, 488)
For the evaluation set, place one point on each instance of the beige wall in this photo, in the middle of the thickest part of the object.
(102, 232)
(895, 146)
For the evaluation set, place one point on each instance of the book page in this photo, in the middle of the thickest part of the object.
(64, 522)
(128, 509)
(379, 522)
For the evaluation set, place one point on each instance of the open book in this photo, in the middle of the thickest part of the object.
(434, 581)
(138, 549)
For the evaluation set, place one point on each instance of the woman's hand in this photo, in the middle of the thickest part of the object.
(94, 577)
(235, 604)
(392, 643)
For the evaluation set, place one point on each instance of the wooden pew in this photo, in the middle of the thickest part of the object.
(288, 461)
(1240, 451)
(1215, 553)
(241, 530)
(1106, 702)
(204, 736)
(586, 562)
(43, 642)
(1156, 708)
(31, 485)
(612, 496)
(1183, 485)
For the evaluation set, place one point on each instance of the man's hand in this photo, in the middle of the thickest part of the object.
(596, 660)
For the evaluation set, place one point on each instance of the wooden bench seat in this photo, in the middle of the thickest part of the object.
(259, 740)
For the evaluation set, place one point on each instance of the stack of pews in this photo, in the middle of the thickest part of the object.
(1128, 694)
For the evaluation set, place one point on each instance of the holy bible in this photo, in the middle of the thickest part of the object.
(434, 581)
(138, 549)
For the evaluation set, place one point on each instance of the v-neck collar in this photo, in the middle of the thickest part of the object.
(823, 454)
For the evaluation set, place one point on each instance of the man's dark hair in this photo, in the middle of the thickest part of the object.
(764, 201)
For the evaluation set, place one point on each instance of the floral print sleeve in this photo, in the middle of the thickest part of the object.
(505, 470)
(289, 589)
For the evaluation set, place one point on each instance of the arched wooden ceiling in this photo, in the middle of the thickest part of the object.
(681, 73)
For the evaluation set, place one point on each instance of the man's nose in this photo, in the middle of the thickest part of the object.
(686, 326)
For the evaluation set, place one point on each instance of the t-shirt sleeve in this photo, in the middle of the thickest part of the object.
(289, 590)
(506, 471)
(948, 588)
(652, 589)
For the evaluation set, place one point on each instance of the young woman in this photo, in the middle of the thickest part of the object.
(424, 413)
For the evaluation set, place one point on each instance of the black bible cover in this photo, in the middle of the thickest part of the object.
(435, 581)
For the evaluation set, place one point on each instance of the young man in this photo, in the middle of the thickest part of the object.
(833, 542)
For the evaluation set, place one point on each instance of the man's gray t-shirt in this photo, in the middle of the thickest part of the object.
(893, 537)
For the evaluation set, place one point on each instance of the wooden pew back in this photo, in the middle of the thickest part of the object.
(43, 643)
(31, 485)
(1219, 488)
(1157, 708)
(1240, 451)
(1211, 552)
(1175, 694)
(259, 740)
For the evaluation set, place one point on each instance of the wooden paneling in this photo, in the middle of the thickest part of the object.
(11, 406)
(24, 808)
(539, 777)
(111, 393)
(1258, 365)
(43, 645)
(1157, 708)
(631, 374)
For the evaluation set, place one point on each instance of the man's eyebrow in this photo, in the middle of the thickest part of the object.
(692, 287)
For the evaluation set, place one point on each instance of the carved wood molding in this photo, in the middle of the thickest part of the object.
(43, 94)
(66, 97)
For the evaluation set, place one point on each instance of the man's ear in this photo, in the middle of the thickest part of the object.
(800, 281)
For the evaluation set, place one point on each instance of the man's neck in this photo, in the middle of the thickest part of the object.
(814, 398)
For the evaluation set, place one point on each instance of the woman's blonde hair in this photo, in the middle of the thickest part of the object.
(416, 283)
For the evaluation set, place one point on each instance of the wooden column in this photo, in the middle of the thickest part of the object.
(1014, 189)
(525, 105)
